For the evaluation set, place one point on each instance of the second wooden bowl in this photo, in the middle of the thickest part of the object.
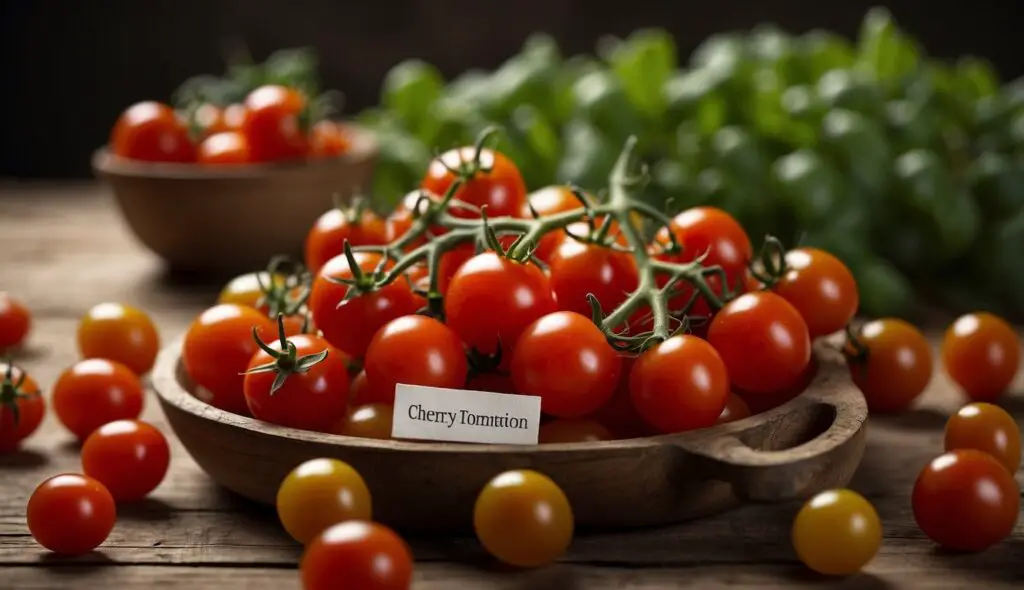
(809, 444)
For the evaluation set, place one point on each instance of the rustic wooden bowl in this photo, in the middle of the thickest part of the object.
(232, 218)
(811, 443)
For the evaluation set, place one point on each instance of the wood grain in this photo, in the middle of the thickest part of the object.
(63, 249)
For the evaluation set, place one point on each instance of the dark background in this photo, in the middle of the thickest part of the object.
(73, 65)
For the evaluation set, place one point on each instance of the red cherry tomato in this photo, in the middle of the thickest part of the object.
(15, 322)
(821, 288)
(578, 269)
(492, 299)
(94, 392)
(619, 415)
(401, 219)
(981, 353)
(760, 402)
(415, 350)
(573, 431)
(272, 124)
(707, 229)
(350, 325)
(764, 342)
(217, 349)
(226, 147)
(896, 365)
(498, 185)
(313, 394)
(549, 201)
(71, 514)
(328, 140)
(120, 333)
(567, 361)
(151, 131)
(987, 428)
(735, 409)
(327, 237)
(359, 555)
(680, 384)
(129, 457)
(22, 407)
(701, 308)
(966, 500)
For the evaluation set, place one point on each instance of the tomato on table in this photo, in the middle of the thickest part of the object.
(680, 384)
(372, 420)
(735, 409)
(573, 431)
(328, 140)
(415, 350)
(701, 230)
(821, 288)
(545, 202)
(837, 532)
(120, 333)
(988, 428)
(22, 407)
(523, 519)
(359, 555)
(94, 392)
(320, 493)
(966, 500)
(15, 322)
(129, 457)
(71, 514)
(494, 183)
(981, 353)
(565, 360)
(358, 225)
(224, 148)
(894, 366)
(151, 131)
(217, 349)
(580, 269)
(763, 341)
(273, 124)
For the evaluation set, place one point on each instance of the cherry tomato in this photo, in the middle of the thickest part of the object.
(362, 392)
(759, 402)
(981, 354)
(450, 263)
(350, 325)
(415, 350)
(549, 201)
(208, 118)
(492, 299)
(94, 392)
(328, 140)
(15, 322)
(272, 124)
(71, 514)
(357, 555)
(217, 349)
(320, 493)
(897, 365)
(701, 308)
(22, 407)
(119, 333)
(151, 131)
(226, 147)
(368, 421)
(314, 391)
(987, 428)
(232, 117)
(735, 409)
(966, 500)
(327, 237)
(680, 384)
(401, 219)
(579, 269)
(619, 415)
(129, 457)
(246, 290)
(523, 519)
(821, 288)
(572, 431)
(567, 361)
(837, 532)
(496, 185)
(764, 342)
(492, 382)
(707, 229)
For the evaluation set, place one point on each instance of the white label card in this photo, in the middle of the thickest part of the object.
(457, 415)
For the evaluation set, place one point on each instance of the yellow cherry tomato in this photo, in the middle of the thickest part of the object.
(245, 289)
(523, 519)
(837, 532)
(321, 493)
(368, 421)
(987, 428)
(120, 333)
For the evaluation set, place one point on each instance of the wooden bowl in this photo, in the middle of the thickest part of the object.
(812, 443)
(232, 219)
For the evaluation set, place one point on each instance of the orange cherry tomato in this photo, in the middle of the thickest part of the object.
(320, 493)
(22, 407)
(129, 457)
(359, 555)
(837, 532)
(328, 140)
(735, 409)
(15, 322)
(151, 131)
(226, 147)
(896, 366)
(821, 288)
(523, 519)
(272, 124)
(94, 392)
(498, 185)
(981, 353)
(415, 350)
(326, 239)
(71, 514)
(246, 290)
(987, 428)
(572, 431)
(549, 201)
(119, 333)
(368, 421)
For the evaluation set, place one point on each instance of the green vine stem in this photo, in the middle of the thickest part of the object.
(286, 361)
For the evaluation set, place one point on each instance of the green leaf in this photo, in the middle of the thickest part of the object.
(643, 63)
(296, 68)
(589, 156)
(884, 291)
(410, 90)
(997, 181)
(807, 185)
(884, 51)
(860, 144)
(824, 51)
(697, 95)
(849, 89)
(601, 99)
(977, 77)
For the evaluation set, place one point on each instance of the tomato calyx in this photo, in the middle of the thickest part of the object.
(854, 349)
(287, 296)
(465, 170)
(286, 361)
(10, 391)
(361, 281)
(769, 266)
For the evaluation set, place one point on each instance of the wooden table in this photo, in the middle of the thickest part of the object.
(64, 248)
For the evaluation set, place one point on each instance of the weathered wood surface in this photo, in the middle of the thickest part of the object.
(64, 248)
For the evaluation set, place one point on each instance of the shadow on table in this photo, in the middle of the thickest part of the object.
(145, 510)
(861, 581)
(1001, 563)
(919, 419)
(76, 564)
(23, 459)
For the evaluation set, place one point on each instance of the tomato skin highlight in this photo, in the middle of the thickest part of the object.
(31, 409)
(987, 428)
(94, 392)
(320, 493)
(129, 457)
(821, 288)
(578, 269)
(224, 148)
(735, 409)
(549, 201)
(501, 189)
(763, 341)
(898, 366)
(680, 384)
(837, 532)
(966, 500)
(372, 420)
(150, 131)
(71, 514)
(981, 353)
(15, 322)
(120, 333)
(712, 230)
(357, 555)
(415, 350)
(326, 239)
(272, 125)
